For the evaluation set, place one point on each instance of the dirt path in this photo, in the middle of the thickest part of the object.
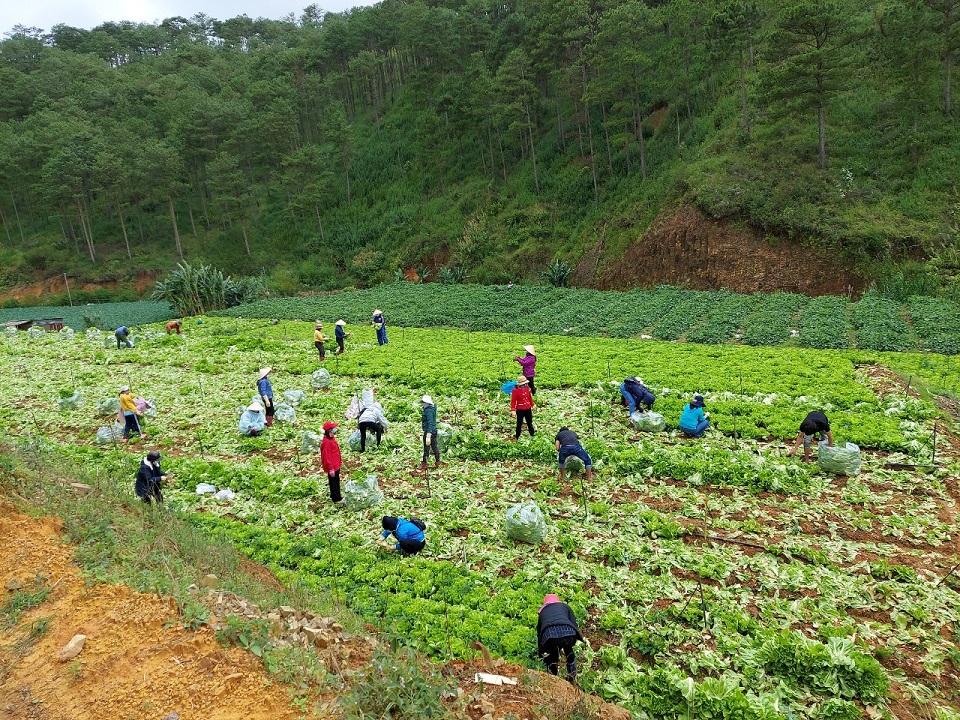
(137, 661)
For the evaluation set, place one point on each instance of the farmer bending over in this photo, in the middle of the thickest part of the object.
(815, 423)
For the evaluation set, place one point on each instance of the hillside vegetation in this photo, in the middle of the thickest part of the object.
(485, 138)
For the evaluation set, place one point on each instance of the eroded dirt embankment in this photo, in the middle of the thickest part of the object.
(686, 248)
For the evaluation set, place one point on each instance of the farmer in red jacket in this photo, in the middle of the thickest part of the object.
(330, 459)
(521, 405)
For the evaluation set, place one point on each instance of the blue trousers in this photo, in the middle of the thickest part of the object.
(647, 400)
(700, 429)
(382, 335)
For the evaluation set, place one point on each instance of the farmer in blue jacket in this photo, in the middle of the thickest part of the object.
(693, 420)
(123, 337)
(265, 390)
(636, 393)
(409, 533)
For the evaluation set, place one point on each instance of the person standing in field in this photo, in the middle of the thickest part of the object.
(521, 405)
(528, 365)
(330, 459)
(123, 337)
(340, 334)
(131, 416)
(815, 423)
(693, 420)
(381, 325)
(265, 390)
(319, 339)
(567, 443)
(557, 631)
(428, 423)
(371, 418)
(149, 478)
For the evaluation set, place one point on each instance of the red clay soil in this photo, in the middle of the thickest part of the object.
(56, 286)
(139, 663)
(686, 248)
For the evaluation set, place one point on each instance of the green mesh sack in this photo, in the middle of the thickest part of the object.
(70, 402)
(93, 334)
(320, 379)
(648, 421)
(839, 460)
(66, 332)
(310, 443)
(354, 441)
(444, 436)
(110, 406)
(110, 434)
(526, 523)
(573, 464)
(284, 413)
(294, 397)
(363, 494)
(10, 332)
(109, 341)
(35, 332)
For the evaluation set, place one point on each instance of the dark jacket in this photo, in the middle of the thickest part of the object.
(339, 333)
(428, 419)
(556, 614)
(640, 392)
(149, 477)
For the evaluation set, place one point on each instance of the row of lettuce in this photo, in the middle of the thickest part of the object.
(873, 322)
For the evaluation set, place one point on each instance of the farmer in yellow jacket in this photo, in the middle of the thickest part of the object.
(319, 339)
(130, 414)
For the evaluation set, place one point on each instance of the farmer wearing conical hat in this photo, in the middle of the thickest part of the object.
(340, 334)
(521, 405)
(529, 363)
(265, 389)
(252, 421)
(381, 325)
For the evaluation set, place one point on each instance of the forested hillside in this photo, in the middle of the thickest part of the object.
(480, 139)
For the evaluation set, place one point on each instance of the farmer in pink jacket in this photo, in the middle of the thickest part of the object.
(529, 363)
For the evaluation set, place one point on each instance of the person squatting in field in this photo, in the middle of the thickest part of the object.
(409, 533)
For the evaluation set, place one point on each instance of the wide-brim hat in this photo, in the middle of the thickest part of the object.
(319, 325)
(378, 312)
(341, 323)
(529, 349)
(125, 388)
(265, 371)
(255, 407)
(330, 425)
(426, 400)
(697, 401)
(522, 381)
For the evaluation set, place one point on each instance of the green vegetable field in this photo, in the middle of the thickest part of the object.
(665, 313)
(108, 315)
(713, 578)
